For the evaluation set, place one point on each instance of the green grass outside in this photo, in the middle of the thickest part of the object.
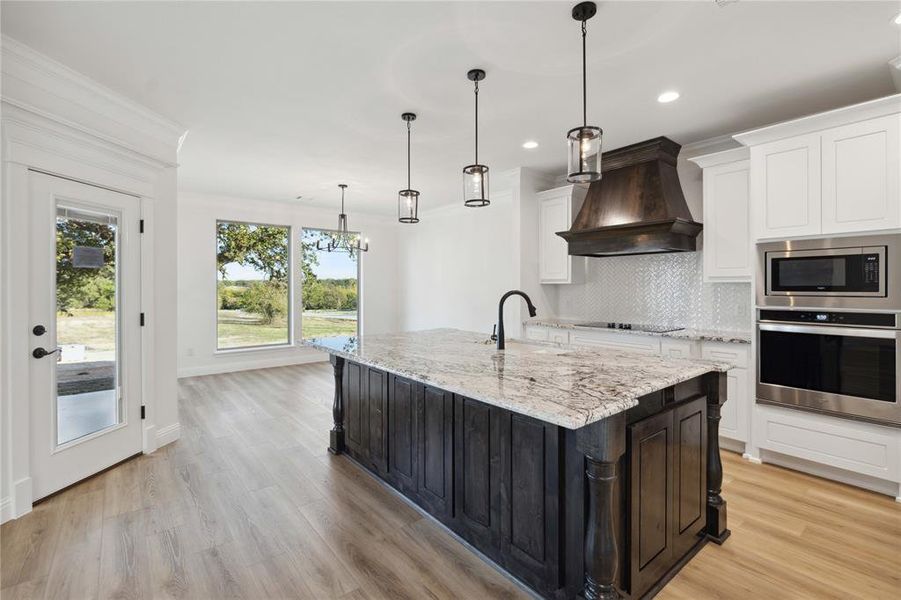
(93, 328)
(96, 329)
(238, 329)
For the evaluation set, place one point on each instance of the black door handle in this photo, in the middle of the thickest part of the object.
(41, 353)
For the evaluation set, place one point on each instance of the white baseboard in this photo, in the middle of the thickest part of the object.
(881, 486)
(732, 445)
(168, 434)
(6, 509)
(249, 363)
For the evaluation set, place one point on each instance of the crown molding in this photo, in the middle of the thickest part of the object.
(708, 146)
(40, 85)
(870, 109)
(721, 158)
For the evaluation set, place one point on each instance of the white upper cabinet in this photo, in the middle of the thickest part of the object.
(556, 210)
(786, 187)
(727, 237)
(831, 173)
(860, 183)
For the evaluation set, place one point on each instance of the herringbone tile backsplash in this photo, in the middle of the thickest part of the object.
(666, 289)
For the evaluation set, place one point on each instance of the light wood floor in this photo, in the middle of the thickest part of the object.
(248, 504)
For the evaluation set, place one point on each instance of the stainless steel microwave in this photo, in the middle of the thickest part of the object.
(861, 272)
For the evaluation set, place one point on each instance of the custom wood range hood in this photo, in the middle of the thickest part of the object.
(637, 207)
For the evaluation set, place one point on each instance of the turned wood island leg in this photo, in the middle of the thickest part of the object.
(603, 444)
(716, 506)
(336, 435)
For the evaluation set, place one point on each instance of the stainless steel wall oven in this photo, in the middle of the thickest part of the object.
(829, 326)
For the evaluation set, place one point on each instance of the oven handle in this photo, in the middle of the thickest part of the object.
(827, 330)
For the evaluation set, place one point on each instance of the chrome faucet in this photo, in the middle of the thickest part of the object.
(500, 314)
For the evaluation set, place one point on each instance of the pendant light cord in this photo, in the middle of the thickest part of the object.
(584, 80)
(477, 120)
(408, 155)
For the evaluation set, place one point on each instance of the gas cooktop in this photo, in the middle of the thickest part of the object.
(631, 326)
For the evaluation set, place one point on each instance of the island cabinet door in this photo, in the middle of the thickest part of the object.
(376, 392)
(530, 492)
(650, 448)
(402, 455)
(477, 477)
(435, 448)
(689, 474)
(355, 410)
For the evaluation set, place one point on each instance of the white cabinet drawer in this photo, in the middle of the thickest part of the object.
(558, 336)
(857, 447)
(680, 348)
(616, 341)
(737, 354)
(536, 332)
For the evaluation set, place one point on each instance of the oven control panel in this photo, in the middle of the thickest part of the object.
(831, 318)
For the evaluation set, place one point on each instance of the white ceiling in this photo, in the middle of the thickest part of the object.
(287, 99)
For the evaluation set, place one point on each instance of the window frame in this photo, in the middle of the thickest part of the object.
(359, 279)
(290, 271)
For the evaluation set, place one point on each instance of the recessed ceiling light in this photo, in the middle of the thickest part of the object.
(530, 145)
(897, 19)
(668, 97)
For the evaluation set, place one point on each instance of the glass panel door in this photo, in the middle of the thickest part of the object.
(87, 368)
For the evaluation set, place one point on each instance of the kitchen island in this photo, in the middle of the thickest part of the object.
(581, 472)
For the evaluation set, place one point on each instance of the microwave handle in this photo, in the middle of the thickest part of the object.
(831, 330)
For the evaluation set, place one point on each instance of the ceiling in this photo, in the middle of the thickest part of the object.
(286, 99)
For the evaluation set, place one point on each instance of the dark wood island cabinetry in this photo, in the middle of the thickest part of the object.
(611, 509)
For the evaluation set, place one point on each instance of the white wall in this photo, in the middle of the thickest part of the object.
(457, 262)
(196, 256)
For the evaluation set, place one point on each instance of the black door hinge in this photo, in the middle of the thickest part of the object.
(142, 225)
(143, 412)
(142, 319)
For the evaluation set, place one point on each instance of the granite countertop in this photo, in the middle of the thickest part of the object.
(564, 386)
(703, 335)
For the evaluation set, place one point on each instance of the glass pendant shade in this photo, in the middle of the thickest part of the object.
(408, 206)
(584, 164)
(475, 185)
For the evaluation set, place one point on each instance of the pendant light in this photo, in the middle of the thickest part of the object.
(584, 160)
(342, 240)
(408, 199)
(475, 176)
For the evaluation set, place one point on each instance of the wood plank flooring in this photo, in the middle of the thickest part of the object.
(248, 504)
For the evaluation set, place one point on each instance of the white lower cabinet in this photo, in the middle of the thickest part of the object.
(680, 348)
(734, 421)
(616, 341)
(852, 446)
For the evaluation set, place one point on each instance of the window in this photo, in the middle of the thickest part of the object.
(329, 292)
(253, 285)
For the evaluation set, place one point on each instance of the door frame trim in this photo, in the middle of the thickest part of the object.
(36, 143)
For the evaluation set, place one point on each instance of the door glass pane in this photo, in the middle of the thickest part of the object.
(87, 369)
(329, 292)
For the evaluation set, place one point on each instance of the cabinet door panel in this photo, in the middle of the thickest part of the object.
(529, 505)
(786, 187)
(476, 473)
(860, 176)
(553, 257)
(377, 399)
(402, 434)
(354, 407)
(435, 451)
(689, 473)
(727, 237)
(651, 447)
